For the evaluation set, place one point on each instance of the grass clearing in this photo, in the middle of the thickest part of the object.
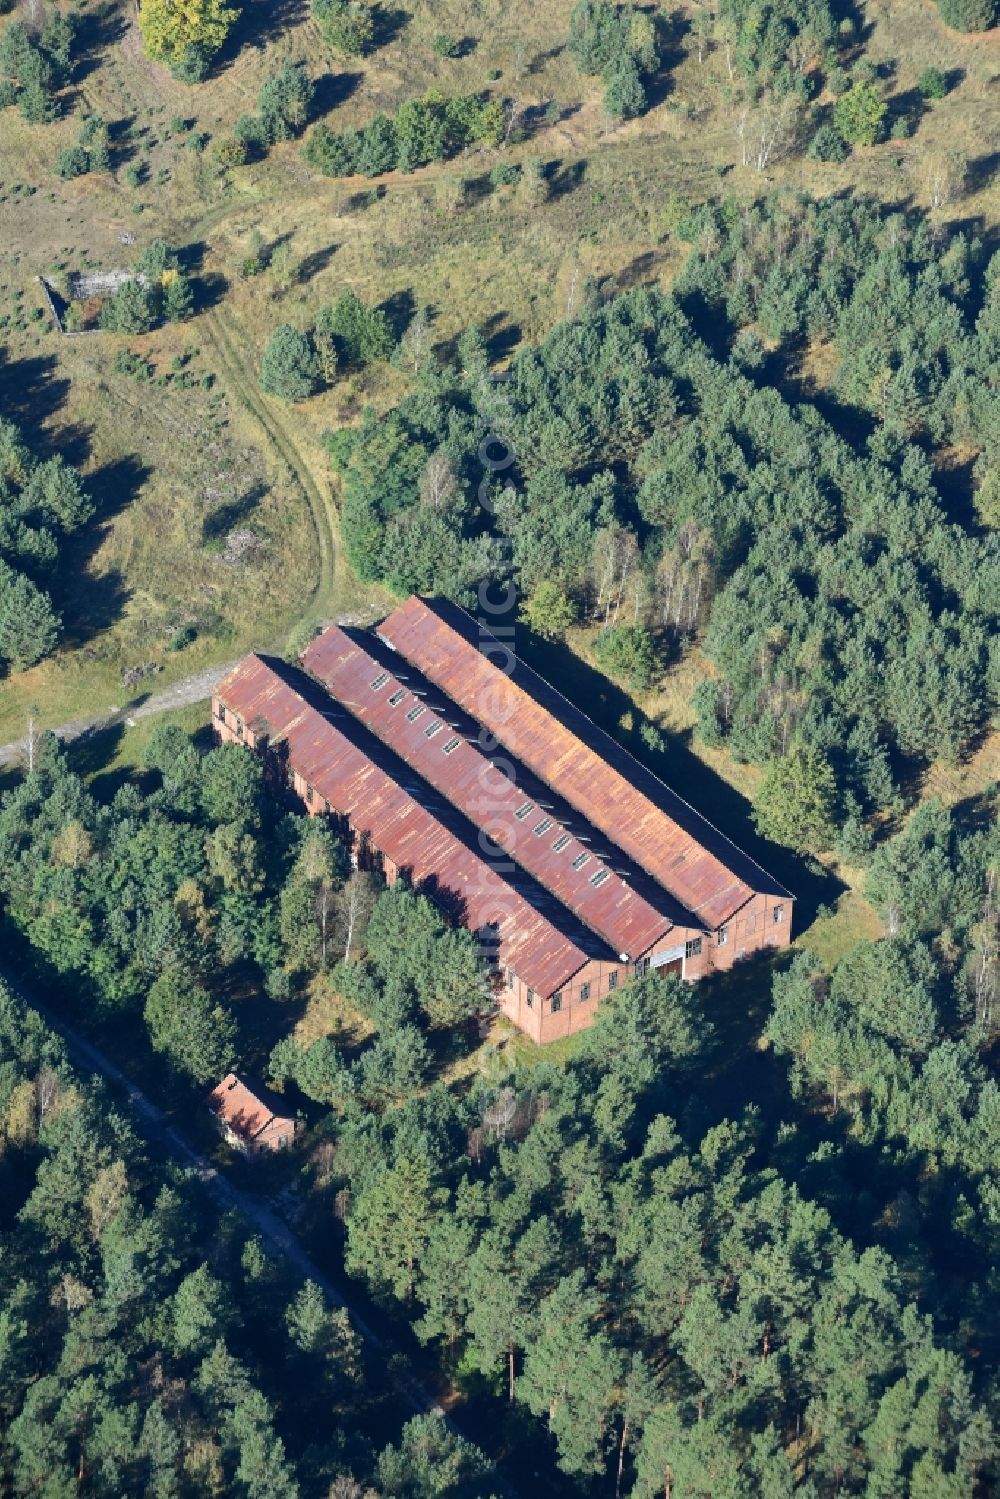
(853, 920)
(328, 1013)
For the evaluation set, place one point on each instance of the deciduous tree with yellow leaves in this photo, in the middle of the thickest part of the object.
(185, 33)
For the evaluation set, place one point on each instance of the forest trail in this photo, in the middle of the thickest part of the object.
(264, 412)
(161, 1133)
(193, 689)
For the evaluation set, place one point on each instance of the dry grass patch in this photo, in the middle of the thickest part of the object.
(329, 1013)
(831, 937)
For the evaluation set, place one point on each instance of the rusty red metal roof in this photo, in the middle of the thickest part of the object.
(398, 821)
(689, 857)
(456, 766)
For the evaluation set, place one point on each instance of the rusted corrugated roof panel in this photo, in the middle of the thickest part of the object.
(689, 857)
(246, 1112)
(412, 835)
(460, 770)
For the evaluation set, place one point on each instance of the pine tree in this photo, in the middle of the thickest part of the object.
(795, 801)
(389, 1225)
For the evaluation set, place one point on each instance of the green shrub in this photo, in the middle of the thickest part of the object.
(133, 365)
(446, 46)
(859, 115)
(284, 102)
(421, 131)
(178, 301)
(838, 81)
(504, 174)
(32, 66)
(627, 651)
(346, 25)
(827, 145)
(361, 334)
(72, 162)
(624, 95)
(94, 140)
(289, 368)
(232, 151)
(621, 45)
(193, 64)
(932, 83)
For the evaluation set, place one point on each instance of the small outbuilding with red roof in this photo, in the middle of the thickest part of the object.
(248, 1118)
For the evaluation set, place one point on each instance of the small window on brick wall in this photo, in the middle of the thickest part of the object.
(557, 1002)
(692, 948)
(778, 914)
(723, 937)
(529, 999)
(613, 979)
(584, 991)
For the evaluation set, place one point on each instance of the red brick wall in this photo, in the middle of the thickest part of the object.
(574, 1012)
(277, 1135)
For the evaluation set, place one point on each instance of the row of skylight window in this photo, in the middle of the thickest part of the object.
(522, 812)
(563, 841)
(448, 748)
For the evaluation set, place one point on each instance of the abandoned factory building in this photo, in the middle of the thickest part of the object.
(444, 758)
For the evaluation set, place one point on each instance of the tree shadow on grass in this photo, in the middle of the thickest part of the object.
(91, 752)
(311, 265)
(31, 392)
(640, 270)
(501, 335)
(563, 179)
(538, 62)
(87, 602)
(982, 170)
(229, 514)
(660, 85)
(389, 23)
(96, 32)
(258, 26)
(10, 775)
(400, 309)
(331, 90)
